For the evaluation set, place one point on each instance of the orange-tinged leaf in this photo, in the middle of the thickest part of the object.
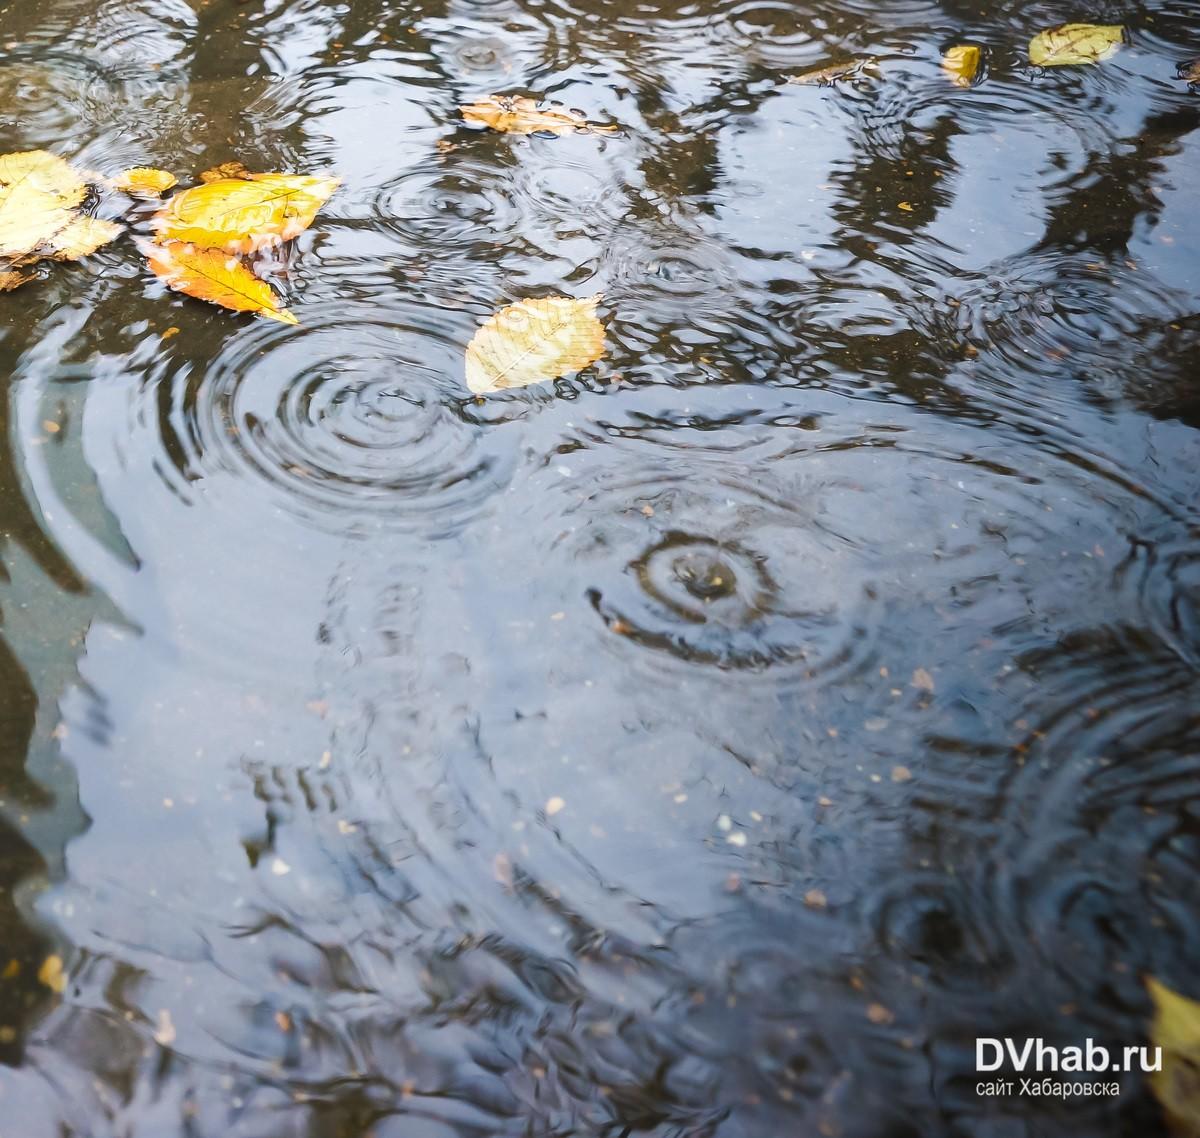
(232, 169)
(1069, 44)
(961, 63)
(243, 215)
(144, 181)
(218, 277)
(12, 279)
(516, 114)
(534, 341)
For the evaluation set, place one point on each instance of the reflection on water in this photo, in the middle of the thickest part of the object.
(712, 744)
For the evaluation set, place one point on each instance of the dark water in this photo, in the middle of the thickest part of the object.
(711, 745)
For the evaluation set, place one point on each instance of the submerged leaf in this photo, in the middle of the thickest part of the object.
(144, 181)
(516, 114)
(533, 341)
(1176, 1029)
(232, 169)
(834, 72)
(1070, 44)
(39, 195)
(220, 278)
(243, 215)
(961, 63)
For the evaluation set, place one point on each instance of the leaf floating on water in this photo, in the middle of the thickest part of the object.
(144, 181)
(243, 215)
(220, 278)
(1189, 72)
(52, 974)
(39, 195)
(13, 279)
(834, 72)
(232, 169)
(534, 341)
(1176, 1029)
(80, 237)
(516, 114)
(1072, 44)
(961, 63)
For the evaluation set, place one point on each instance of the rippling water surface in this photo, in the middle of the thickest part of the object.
(708, 745)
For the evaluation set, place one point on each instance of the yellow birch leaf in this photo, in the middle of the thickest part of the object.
(961, 63)
(81, 236)
(243, 215)
(232, 169)
(1176, 1029)
(516, 114)
(144, 181)
(1069, 44)
(834, 72)
(39, 194)
(218, 277)
(534, 341)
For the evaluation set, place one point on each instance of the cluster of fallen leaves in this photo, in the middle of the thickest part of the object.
(1065, 45)
(205, 237)
(201, 235)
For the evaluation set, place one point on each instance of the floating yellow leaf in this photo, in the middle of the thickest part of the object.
(1189, 72)
(39, 195)
(961, 63)
(834, 72)
(81, 236)
(218, 277)
(144, 181)
(516, 114)
(240, 215)
(1074, 44)
(533, 341)
(1176, 1029)
(51, 974)
(232, 169)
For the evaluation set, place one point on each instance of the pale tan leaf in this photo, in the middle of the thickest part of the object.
(516, 114)
(82, 236)
(39, 195)
(144, 181)
(232, 169)
(533, 341)
(1069, 44)
(834, 72)
(243, 215)
(218, 277)
(1176, 1029)
(961, 63)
